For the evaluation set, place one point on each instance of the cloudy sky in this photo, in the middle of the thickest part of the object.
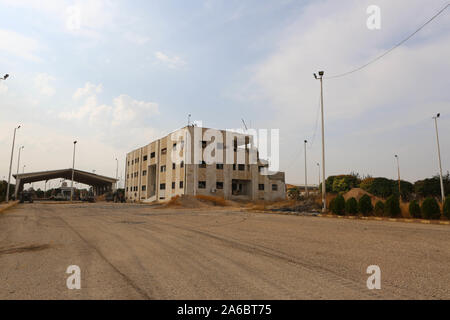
(115, 75)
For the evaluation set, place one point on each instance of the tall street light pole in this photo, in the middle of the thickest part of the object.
(324, 202)
(10, 164)
(306, 173)
(117, 173)
(73, 170)
(318, 165)
(18, 161)
(439, 157)
(398, 171)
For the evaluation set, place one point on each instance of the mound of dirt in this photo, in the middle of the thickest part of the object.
(356, 193)
(184, 202)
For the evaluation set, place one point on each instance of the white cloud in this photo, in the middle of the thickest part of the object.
(42, 83)
(88, 89)
(172, 62)
(18, 45)
(128, 110)
(137, 38)
(3, 87)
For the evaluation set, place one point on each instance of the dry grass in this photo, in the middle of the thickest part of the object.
(217, 201)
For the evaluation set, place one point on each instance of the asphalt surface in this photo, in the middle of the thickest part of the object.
(129, 251)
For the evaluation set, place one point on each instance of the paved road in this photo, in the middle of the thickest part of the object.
(135, 252)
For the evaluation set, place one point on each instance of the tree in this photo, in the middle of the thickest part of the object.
(392, 206)
(431, 187)
(447, 207)
(342, 183)
(414, 209)
(379, 208)
(430, 209)
(293, 193)
(365, 205)
(339, 205)
(351, 206)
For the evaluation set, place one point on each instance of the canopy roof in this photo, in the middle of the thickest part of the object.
(79, 176)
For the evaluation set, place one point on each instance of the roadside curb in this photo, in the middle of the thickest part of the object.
(8, 206)
(407, 220)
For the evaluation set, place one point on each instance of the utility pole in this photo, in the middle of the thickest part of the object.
(306, 174)
(398, 169)
(439, 157)
(73, 170)
(117, 174)
(10, 164)
(318, 186)
(18, 161)
(324, 195)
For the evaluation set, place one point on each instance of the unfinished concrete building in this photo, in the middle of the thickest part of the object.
(201, 161)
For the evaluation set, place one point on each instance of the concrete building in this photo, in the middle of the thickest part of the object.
(201, 161)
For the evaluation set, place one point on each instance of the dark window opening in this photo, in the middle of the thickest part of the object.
(274, 187)
(164, 151)
(219, 185)
(173, 185)
(181, 184)
(152, 155)
(162, 186)
(163, 168)
(145, 158)
(261, 187)
(219, 166)
(144, 188)
(202, 184)
(242, 167)
(173, 166)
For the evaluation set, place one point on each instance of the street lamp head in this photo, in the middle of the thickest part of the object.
(306, 141)
(438, 115)
(6, 76)
(321, 73)
(75, 142)
(315, 76)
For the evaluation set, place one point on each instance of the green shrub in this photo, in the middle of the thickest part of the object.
(447, 207)
(339, 205)
(351, 206)
(392, 206)
(365, 205)
(379, 208)
(430, 209)
(414, 209)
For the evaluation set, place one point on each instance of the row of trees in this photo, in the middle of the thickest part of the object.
(384, 188)
(3, 187)
(430, 208)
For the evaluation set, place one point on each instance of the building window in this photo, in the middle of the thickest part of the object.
(204, 143)
(219, 185)
(203, 164)
(261, 187)
(173, 166)
(182, 164)
(174, 146)
(219, 166)
(145, 158)
(128, 162)
(202, 184)
(162, 186)
(144, 188)
(181, 184)
(132, 161)
(173, 185)
(164, 151)
(127, 189)
(234, 166)
(242, 167)
(144, 173)
(137, 160)
(152, 155)
(274, 187)
(163, 168)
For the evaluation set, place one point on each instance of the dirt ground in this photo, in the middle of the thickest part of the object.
(128, 251)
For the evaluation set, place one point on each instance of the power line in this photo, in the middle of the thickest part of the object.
(393, 48)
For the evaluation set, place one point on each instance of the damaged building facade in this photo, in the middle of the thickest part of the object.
(201, 161)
